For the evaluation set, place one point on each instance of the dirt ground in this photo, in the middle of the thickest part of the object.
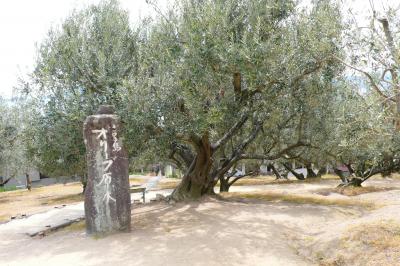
(241, 229)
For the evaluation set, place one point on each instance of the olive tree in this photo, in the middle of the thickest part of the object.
(360, 129)
(217, 75)
(14, 122)
(81, 64)
(373, 66)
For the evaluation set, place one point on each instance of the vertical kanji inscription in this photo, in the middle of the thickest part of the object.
(107, 197)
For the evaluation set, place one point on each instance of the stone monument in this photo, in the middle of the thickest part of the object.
(107, 195)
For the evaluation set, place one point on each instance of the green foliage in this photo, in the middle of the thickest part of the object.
(188, 75)
(82, 64)
(14, 122)
(368, 119)
(183, 87)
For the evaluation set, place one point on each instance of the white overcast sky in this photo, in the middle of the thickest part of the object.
(24, 23)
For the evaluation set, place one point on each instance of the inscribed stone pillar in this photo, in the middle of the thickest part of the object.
(107, 195)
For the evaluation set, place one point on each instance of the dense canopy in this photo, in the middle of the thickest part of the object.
(206, 85)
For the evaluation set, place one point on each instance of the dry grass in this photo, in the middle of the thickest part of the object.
(395, 176)
(250, 181)
(64, 199)
(78, 226)
(241, 182)
(168, 184)
(270, 180)
(137, 181)
(353, 191)
(165, 183)
(4, 218)
(330, 177)
(379, 235)
(376, 243)
(298, 199)
(267, 180)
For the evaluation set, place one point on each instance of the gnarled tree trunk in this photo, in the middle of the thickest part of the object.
(196, 182)
(349, 179)
(83, 182)
(276, 172)
(343, 175)
(310, 172)
(322, 171)
(353, 182)
(223, 185)
(297, 175)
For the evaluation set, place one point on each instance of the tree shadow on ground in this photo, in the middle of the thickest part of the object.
(209, 232)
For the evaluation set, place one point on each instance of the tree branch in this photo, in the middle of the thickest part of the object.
(371, 80)
(275, 156)
(236, 154)
(318, 65)
(228, 135)
(239, 177)
(389, 37)
(5, 181)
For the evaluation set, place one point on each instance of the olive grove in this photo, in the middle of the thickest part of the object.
(208, 84)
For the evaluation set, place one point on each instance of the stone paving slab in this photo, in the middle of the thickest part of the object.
(36, 223)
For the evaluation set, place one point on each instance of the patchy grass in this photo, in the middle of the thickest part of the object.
(4, 189)
(270, 180)
(165, 183)
(4, 218)
(376, 243)
(63, 199)
(380, 235)
(22, 201)
(137, 180)
(353, 191)
(261, 180)
(330, 177)
(168, 184)
(395, 176)
(250, 181)
(78, 226)
(298, 199)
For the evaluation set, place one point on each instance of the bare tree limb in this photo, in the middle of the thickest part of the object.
(389, 37)
(239, 177)
(229, 134)
(371, 80)
(275, 156)
(5, 181)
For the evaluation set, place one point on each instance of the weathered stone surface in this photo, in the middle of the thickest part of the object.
(107, 196)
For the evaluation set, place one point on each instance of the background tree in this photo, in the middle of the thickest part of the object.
(14, 122)
(83, 63)
(373, 67)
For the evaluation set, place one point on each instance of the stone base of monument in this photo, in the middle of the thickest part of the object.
(107, 196)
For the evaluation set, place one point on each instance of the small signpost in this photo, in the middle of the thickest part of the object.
(107, 195)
